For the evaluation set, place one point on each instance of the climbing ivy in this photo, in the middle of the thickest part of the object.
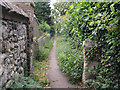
(100, 22)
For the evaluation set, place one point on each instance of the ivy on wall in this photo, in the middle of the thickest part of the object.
(98, 21)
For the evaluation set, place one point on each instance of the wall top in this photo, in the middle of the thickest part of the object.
(12, 8)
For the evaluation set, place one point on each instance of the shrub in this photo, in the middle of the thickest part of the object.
(98, 21)
(43, 52)
(69, 60)
(44, 27)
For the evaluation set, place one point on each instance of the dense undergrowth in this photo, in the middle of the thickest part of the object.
(40, 65)
(69, 58)
(100, 22)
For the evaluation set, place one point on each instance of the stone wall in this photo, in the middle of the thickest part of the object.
(12, 54)
(38, 43)
(28, 8)
(15, 43)
(42, 40)
(35, 28)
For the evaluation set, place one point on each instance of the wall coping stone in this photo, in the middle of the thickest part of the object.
(12, 12)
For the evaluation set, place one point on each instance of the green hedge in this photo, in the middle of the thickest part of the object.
(69, 60)
(98, 21)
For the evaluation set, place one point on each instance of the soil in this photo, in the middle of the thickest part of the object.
(55, 76)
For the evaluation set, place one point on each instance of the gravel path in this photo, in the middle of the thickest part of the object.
(56, 77)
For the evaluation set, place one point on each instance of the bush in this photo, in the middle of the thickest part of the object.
(42, 53)
(100, 22)
(44, 27)
(69, 60)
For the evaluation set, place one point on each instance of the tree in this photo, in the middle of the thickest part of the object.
(59, 13)
(42, 11)
(62, 7)
(44, 27)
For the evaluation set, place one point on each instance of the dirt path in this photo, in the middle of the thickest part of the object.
(56, 77)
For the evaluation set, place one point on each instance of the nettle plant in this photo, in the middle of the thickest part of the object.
(100, 22)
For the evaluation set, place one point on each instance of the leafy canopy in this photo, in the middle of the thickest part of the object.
(42, 11)
(44, 27)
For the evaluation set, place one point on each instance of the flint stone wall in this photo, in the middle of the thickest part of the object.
(12, 51)
(28, 8)
(15, 43)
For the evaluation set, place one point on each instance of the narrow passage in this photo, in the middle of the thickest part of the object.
(56, 77)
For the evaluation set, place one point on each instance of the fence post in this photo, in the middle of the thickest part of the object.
(89, 63)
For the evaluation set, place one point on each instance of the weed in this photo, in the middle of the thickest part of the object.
(24, 82)
(40, 64)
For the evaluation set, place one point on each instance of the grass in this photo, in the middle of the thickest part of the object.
(40, 71)
(40, 64)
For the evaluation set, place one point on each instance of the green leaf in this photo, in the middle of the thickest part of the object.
(112, 7)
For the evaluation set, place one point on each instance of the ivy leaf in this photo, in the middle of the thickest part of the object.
(112, 7)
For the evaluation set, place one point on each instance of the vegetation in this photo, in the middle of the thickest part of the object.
(40, 64)
(39, 72)
(42, 53)
(42, 11)
(23, 82)
(69, 58)
(44, 27)
(61, 7)
(98, 21)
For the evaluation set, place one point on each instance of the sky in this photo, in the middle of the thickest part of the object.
(51, 3)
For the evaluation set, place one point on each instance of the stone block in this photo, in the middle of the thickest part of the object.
(8, 46)
(14, 39)
(23, 55)
(4, 78)
(2, 57)
(4, 32)
(1, 70)
(12, 74)
(20, 70)
(11, 33)
(12, 45)
(1, 40)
